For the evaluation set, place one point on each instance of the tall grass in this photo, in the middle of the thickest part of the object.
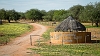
(12, 30)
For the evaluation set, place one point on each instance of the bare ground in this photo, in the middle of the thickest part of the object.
(18, 47)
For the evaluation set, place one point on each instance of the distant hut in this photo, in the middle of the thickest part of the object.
(70, 24)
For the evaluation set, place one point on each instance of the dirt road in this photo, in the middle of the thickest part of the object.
(18, 47)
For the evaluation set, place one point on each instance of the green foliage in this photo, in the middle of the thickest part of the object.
(47, 18)
(89, 26)
(68, 50)
(76, 10)
(91, 13)
(12, 15)
(22, 15)
(60, 15)
(34, 14)
(87, 13)
(12, 30)
(8, 15)
(49, 15)
(56, 15)
(46, 35)
(2, 15)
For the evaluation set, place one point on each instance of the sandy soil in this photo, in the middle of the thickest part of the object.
(18, 47)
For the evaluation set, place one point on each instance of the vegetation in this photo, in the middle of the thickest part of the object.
(91, 13)
(46, 35)
(10, 31)
(34, 14)
(68, 50)
(2, 15)
(8, 15)
(76, 11)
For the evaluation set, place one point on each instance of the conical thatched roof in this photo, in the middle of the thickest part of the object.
(70, 24)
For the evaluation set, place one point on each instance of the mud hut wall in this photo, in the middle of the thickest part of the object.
(70, 37)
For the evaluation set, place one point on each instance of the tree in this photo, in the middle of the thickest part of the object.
(76, 10)
(97, 13)
(12, 15)
(43, 13)
(33, 14)
(22, 15)
(2, 15)
(47, 18)
(60, 15)
(49, 15)
(87, 13)
(91, 13)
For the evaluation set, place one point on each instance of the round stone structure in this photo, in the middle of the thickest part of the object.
(70, 37)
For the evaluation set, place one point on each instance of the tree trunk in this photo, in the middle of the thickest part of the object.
(32, 20)
(15, 20)
(97, 24)
(92, 22)
(8, 20)
(0, 21)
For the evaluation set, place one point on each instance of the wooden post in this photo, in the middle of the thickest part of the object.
(85, 39)
(77, 40)
(62, 40)
(31, 40)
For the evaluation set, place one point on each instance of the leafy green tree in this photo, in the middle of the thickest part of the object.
(43, 13)
(22, 15)
(33, 14)
(47, 18)
(76, 10)
(97, 13)
(91, 13)
(49, 15)
(87, 13)
(60, 15)
(12, 15)
(2, 15)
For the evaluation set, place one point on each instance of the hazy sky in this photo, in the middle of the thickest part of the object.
(24, 5)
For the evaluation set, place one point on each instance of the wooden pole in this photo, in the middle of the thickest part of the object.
(30, 40)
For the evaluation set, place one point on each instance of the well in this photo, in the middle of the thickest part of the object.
(70, 37)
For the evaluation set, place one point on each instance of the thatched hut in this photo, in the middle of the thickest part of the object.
(77, 32)
(70, 24)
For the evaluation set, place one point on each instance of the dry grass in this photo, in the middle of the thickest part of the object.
(86, 23)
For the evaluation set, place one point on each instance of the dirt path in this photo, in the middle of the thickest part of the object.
(19, 46)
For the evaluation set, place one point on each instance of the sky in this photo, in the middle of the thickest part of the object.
(24, 5)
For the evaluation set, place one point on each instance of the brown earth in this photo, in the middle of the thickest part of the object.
(20, 45)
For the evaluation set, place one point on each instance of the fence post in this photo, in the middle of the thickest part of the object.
(62, 41)
(31, 40)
